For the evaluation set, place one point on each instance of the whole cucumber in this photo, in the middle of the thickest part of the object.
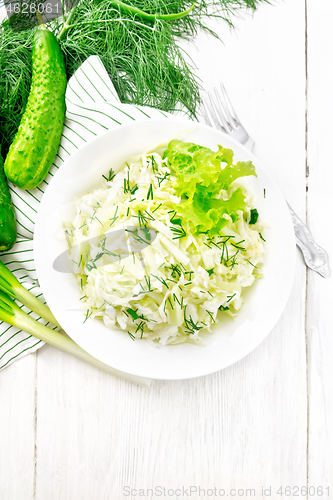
(8, 229)
(37, 140)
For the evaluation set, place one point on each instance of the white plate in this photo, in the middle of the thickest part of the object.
(232, 339)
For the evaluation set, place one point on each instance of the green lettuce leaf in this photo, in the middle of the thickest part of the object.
(209, 214)
(201, 176)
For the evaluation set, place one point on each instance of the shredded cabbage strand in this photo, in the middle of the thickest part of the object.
(166, 243)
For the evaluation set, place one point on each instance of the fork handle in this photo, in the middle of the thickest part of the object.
(315, 256)
(249, 143)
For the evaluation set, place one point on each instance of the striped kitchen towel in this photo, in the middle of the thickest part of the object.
(93, 108)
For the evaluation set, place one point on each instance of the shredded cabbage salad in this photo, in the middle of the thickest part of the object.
(167, 243)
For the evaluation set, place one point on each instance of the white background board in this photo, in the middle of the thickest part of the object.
(70, 432)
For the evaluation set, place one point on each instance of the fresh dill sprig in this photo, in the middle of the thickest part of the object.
(179, 232)
(111, 175)
(15, 80)
(176, 299)
(158, 206)
(114, 218)
(88, 314)
(190, 273)
(237, 245)
(161, 280)
(69, 233)
(230, 297)
(153, 164)
(191, 326)
(211, 315)
(147, 282)
(175, 219)
(160, 179)
(127, 187)
(175, 269)
(140, 53)
(144, 217)
(150, 194)
(177, 229)
(138, 238)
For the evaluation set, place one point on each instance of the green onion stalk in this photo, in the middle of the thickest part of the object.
(12, 287)
(12, 314)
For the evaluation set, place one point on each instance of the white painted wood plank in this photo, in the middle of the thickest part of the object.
(245, 427)
(17, 424)
(239, 428)
(262, 65)
(320, 291)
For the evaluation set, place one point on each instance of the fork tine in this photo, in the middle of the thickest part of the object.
(210, 114)
(229, 107)
(219, 113)
(224, 105)
(205, 112)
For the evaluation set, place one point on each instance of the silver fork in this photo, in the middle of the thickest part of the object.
(219, 113)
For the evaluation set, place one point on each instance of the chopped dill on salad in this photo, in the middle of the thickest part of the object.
(167, 243)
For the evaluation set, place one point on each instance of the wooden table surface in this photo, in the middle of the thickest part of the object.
(71, 432)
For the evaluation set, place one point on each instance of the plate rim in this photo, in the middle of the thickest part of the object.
(250, 156)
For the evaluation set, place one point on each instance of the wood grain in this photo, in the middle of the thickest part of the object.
(247, 426)
(18, 430)
(320, 291)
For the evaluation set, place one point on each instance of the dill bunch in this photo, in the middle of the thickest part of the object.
(143, 60)
(142, 57)
(15, 80)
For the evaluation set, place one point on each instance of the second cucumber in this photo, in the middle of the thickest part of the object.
(7, 214)
(37, 140)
